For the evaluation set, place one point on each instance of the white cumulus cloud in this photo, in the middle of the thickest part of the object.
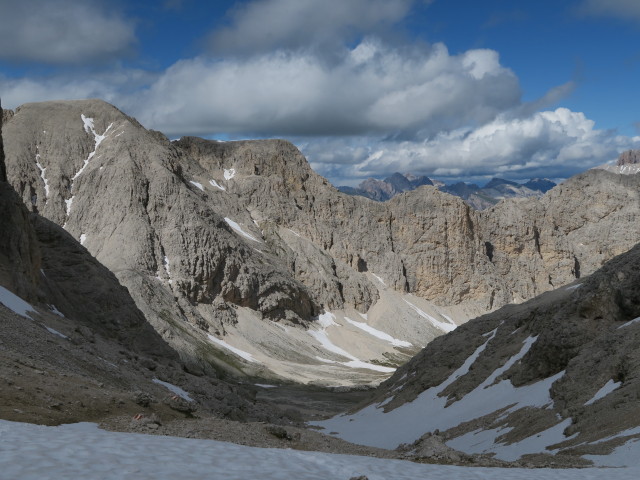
(373, 88)
(553, 144)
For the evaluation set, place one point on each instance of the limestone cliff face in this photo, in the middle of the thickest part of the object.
(198, 229)
(539, 244)
(145, 206)
(43, 264)
(3, 170)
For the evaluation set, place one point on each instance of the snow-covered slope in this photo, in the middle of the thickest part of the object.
(33, 452)
(558, 375)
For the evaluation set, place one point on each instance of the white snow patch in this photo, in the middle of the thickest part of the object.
(166, 269)
(88, 123)
(295, 233)
(623, 456)
(239, 230)
(15, 303)
(43, 171)
(55, 332)
(447, 317)
(485, 441)
(368, 366)
(574, 287)
(175, 389)
(444, 326)
(325, 360)
(68, 203)
(53, 309)
(199, 185)
(371, 426)
(379, 279)
(326, 320)
(378, 333)
(241, 353)
(630, 322)
(82, 450)
(608, 387)
(89, 128)
(215, 184)
(624, 433)
(264, 385)
(229, 174)
(83, 238)
(322, 337)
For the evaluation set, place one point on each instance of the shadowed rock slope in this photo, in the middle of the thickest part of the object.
(242, 243)
(557, 374)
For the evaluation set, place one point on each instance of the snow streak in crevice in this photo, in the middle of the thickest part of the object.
(89, 128)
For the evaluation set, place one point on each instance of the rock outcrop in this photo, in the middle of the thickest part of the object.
(382, 190)
(3, 169)
(630, 157)
(555, 375)
(628, 163)
(76, 348)
(218, 237)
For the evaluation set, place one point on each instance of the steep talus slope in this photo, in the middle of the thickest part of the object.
(233, 249)
(557, 374)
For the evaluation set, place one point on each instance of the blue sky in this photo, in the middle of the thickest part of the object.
(454, 89)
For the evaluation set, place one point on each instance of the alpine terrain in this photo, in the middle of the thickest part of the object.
(224, 290)
(243, 259)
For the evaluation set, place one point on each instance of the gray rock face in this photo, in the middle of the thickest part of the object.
(107, 350)
(576, 348)
(3, 170)
(539, 244)
(479, 198)
(196, 229)
(382, 190)
(630, 157)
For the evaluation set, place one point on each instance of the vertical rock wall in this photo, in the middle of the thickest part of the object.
(3, 170)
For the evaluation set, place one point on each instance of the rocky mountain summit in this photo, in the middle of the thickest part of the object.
(74, 345)
(628, 163)
(478, 197)
(557, 375)
(244, 259)
(383, 190)
(630, 157)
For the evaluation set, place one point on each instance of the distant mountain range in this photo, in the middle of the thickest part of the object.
(476, 196)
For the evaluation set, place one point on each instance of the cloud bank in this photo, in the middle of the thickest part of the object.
(266, 25)
(333, 80)
(62, 32)
(374, 88)
(552, 144)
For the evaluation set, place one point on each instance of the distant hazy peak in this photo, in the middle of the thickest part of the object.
(630, 157)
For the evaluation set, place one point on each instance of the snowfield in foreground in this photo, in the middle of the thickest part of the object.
(83, 451)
